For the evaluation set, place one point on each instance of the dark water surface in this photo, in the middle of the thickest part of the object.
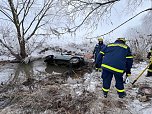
(19, 72)
(15, 72)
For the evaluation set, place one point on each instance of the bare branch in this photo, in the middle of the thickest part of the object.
(11, 51)
(26, 11)
(123, 23)
(126, 21)
(89, 3)
(5, 19)
(15, 17)
(6, 14)
(43, 12)
(24, 3)
(85, 18)
(93, 10)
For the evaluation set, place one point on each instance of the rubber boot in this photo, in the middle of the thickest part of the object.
(105, 94)
(122, 94)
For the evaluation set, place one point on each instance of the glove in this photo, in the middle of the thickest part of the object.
(128, 73)
(97, 65)
(99, 69)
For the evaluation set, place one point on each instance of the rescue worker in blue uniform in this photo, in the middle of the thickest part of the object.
(115, 59)
(97, 49)
(149, 56)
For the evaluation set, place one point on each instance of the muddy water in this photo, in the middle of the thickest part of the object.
(23, 84)
(57, 94)
(15, 72)
(58, 69)
(6, 71)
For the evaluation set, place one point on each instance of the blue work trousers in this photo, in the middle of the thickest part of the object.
(107, 77)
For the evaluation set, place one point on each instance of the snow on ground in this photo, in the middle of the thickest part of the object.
(134, 106)
(92, 83)
(141, 107)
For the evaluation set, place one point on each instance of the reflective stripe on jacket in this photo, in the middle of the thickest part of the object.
(117, 57)
(98, 48)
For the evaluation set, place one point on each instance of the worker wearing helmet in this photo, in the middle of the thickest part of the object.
(149, 56)
(98, 48)
(116, 61)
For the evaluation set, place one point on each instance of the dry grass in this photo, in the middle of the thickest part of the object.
(46, 96)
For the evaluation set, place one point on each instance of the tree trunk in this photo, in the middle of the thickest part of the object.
(22, 50)
(21, 44)
(21, 40)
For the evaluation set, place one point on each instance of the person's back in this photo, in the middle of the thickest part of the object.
(115, 59)
(115, 56)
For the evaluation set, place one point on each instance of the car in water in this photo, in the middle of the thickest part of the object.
(73, 61)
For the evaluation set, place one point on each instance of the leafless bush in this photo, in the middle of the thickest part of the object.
(54, 97)
(139, 43)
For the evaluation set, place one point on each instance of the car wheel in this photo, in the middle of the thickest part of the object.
(49, 59)
(75, 60)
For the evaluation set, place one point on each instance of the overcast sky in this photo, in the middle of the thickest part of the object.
(119, 16)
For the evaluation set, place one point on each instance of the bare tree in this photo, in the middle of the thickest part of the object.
(139, 42)
(86, 12)
(82, 14)
(8, 41)
(140, 37)
(27, 17)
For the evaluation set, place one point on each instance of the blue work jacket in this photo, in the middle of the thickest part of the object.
(116, 57)
(97, 49)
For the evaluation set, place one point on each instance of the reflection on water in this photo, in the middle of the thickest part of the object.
(19, 72)
(53, 68)
(6, 71)
(14, 73)
(22, 71)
